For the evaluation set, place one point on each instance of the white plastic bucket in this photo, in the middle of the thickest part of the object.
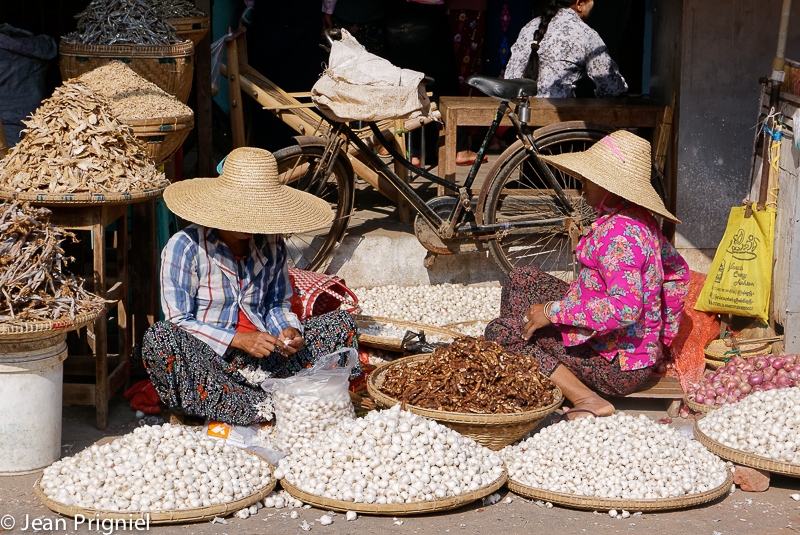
(31, 384)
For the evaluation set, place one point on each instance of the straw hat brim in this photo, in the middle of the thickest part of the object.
(208, 202)
(583, 166)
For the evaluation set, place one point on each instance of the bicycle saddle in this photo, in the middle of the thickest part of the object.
(504, 90)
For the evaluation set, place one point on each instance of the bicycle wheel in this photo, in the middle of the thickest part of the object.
(296, 166)
(517, 192)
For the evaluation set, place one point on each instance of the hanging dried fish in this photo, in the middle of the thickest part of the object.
(122, 22)
(131, 96)
(75, 144)
(34, 286)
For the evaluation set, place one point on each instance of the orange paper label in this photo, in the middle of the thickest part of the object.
(218, 429)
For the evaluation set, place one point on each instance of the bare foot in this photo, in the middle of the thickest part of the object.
(592, 405)
(415, 161)
(465, 156)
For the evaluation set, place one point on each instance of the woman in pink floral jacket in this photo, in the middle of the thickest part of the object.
(605, 331)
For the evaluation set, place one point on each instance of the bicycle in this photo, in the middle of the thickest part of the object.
(526, 213)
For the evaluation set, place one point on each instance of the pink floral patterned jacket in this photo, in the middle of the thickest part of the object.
(630, 292)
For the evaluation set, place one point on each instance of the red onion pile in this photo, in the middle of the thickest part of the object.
(740, 377)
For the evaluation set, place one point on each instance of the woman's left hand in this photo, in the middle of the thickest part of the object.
(535, 320)
(293, 340)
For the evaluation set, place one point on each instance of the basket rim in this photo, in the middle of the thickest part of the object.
(387, 342)
(21, 329)
(84, 198)
(699, 407)
(590, 503)
(184, 48)
(197, 18)
(500, 419)
(186, 121)
(441, 504)
(744, 458)
(755, 350)
(198, 514)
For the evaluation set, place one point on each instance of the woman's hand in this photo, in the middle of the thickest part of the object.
(534, 319)
(293, 340)
(259, 344)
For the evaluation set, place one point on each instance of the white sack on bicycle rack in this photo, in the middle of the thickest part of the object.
(359, 86)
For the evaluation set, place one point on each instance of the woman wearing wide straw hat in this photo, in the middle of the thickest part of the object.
(225, 293)
(605, 331)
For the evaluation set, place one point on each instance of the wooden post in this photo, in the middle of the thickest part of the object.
(235, 93)
(403, 209)
(202, 69)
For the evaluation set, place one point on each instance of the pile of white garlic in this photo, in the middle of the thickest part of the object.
(390, 330)
(765, 423)
(300, 418)
(158, 468)
(620, 457)
(388, 457)
(438, 305)
(254, 375)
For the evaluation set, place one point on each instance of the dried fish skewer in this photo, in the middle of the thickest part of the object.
(112, 22)
(32, 284)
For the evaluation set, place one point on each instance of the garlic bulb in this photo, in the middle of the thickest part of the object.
(439, 304)
(281, 499)
(156, 468)
(254, 375)
(620, 457)
(765, 423)
(390, 456)
(299, 417)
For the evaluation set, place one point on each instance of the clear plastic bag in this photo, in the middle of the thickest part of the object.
(217, 47)
(310, 402)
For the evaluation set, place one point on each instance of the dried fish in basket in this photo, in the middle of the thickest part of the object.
(176, 9)
(34, 284)
(122, 22)
(74, 145)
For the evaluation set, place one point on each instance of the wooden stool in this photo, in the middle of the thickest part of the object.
(668, 388)
(96, 218)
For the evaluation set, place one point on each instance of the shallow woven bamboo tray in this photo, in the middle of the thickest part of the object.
(495, 431)
(744, 458)
(161, 136)
(32, 329)
(716, 349)
(699, 407)
(395, 509)
(192, 28)
(396, 344)
(47, 199)
(199, 514)
(461, 324)
(169, 67)
(591, 503)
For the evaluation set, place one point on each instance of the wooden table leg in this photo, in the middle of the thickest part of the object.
(400, 170)
(123, 305)
(447, 150)
(101, 324)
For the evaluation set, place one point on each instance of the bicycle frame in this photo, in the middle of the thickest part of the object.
(447, 228)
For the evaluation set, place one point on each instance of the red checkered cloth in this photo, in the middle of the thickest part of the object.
(316, 294)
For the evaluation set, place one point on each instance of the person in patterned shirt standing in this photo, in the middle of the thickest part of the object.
(607, 330)
(559, 48)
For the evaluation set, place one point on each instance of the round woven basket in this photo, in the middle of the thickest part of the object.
(192, 28)
(34, 329)
(495, 431)
(169, 67)
(161, 136)
(396, 344)
(177, 516)
(47, 199)
(714, 364)
(458, 326)
(699, 407)
(395, 509)
(591, 503)
(744, 458)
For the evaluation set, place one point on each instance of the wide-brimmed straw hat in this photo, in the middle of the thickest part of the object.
(248, 197)
(619, 163)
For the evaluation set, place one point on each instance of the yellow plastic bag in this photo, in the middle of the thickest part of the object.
(740, 278)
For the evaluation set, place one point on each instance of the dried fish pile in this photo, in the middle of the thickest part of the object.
(472, 375)
(131, 96)
(122, 22)
(74, 144)
(176, 9)
(33, 283)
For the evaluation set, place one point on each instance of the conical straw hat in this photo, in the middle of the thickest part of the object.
(248, 197)
(620, 163)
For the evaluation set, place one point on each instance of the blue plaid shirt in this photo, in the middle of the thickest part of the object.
(200, 289)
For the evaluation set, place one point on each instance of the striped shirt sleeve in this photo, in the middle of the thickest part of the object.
(279, 291)
(179, 285)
